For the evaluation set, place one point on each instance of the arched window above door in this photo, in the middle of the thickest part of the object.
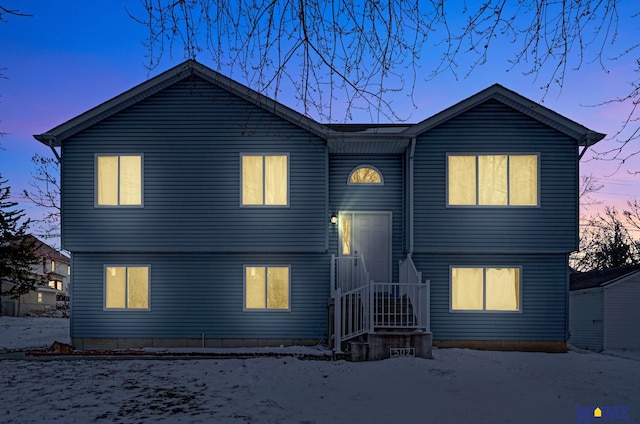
(365, 174)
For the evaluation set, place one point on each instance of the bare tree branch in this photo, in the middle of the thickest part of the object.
(345, 56)
(45, 194)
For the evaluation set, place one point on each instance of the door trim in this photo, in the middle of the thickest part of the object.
(364, 212)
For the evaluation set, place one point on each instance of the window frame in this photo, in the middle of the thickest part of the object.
(126, 266)
(266, 309)
(381, 183)
(96, 180)
(477, 155)
(264, 155)
(484, 290)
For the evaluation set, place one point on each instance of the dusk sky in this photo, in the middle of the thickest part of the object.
(72, 56)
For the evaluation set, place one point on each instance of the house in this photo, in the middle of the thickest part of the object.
(55, 268)
(603, 309)
(201, 213)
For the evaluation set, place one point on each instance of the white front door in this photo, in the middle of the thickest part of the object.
(368, 234)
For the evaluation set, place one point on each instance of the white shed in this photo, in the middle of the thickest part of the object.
(604, 309)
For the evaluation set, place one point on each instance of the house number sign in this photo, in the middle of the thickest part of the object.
(396, 352)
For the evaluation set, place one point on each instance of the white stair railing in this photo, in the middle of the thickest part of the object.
(351, 291)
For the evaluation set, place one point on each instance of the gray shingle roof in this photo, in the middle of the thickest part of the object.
(591, 279)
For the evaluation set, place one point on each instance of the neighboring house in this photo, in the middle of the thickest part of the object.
(55, 268)
(603, 309)
(198, 211)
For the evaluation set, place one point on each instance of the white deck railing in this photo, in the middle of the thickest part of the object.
(351, 291)
(361, 305)
(420, 298)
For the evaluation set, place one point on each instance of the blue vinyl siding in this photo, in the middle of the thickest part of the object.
(191, 135)
(196, 293)
(387, 197)
(543, 303)
(495, 128)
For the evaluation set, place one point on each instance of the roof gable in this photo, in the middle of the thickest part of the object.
(583, 135)
(55, 136)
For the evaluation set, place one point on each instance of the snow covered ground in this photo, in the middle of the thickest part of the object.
(457, 386)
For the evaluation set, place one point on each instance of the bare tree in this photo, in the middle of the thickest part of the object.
(589, 184)
(606, 242)
(346, 55)
(45, 194)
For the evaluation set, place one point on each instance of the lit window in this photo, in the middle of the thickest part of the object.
(39, 297)
(266, 287)
(68, 269)
(127, 287)
(493, 180)
(345, 234)
(53, 266)
(485, 289)
(265, 180)
(365, 174)
(52, 284)
(119, 180)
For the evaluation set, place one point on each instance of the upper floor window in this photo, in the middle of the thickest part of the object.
(126, 287)
(365, 174)
(53, 266)
(119, 180)
(492, 180)
(265, 180)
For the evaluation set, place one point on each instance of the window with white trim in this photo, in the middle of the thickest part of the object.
(485, 289)
(119, 180)
(265, 180)
(266, 287)
(126, 287)
(492, 180)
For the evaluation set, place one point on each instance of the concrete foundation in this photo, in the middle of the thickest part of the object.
(138, 343)
(378, 345)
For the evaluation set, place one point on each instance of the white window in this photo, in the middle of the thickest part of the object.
(492, 180)
(265, 180)
(485, 289)
(119, 180)
(53, 266)
(266, 287)
(126, 287)
(68, 269)
(365, 174)
(39, 297)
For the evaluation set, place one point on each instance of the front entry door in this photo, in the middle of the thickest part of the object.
(371, 237)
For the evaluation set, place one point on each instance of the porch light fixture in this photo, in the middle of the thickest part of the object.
(334, 219)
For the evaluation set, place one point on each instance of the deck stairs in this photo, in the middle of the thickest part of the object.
(374, 319)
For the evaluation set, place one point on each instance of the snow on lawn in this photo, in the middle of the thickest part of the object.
(457, 386)
(32, 332)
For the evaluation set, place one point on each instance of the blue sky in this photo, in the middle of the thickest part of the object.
(71, 56)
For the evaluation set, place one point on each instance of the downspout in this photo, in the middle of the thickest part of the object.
(55, 153)
(410, 195)
(327, 228)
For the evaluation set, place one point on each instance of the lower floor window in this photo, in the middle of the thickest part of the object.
(485, 289)
(39, 297)
(126, 287)
(266, 287)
